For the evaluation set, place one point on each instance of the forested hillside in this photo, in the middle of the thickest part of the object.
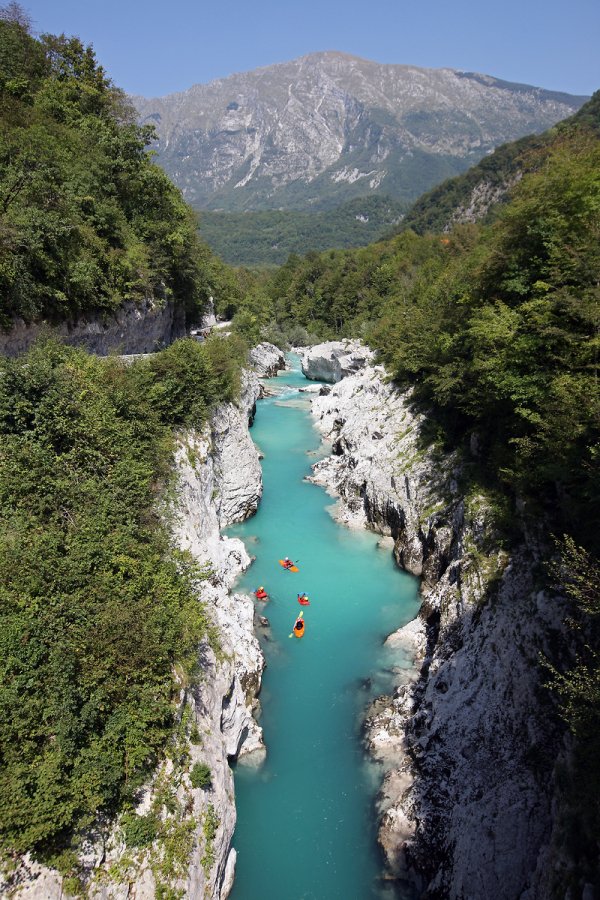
(267, 238)
(475, 195)
(497, 327)
(86, 219)
(96, 610)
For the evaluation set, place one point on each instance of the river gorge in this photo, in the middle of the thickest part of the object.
(405, 745)
(305, 817)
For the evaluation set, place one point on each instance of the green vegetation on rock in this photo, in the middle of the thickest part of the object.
(200, 775)
(97, 609)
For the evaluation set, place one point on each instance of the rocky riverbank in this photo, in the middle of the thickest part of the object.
(217, 482)
(469, 739)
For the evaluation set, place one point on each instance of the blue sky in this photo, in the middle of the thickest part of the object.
(153, 48)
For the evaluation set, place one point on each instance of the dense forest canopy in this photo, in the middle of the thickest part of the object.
(86, 218)
(267, 237)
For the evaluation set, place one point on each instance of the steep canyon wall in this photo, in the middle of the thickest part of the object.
(469, 739)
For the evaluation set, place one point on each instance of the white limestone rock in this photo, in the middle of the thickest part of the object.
(237, 467)
(335, 360)
(267, 359)
(209, 319)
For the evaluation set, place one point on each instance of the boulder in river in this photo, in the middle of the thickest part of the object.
(267, 359)
(334, 360)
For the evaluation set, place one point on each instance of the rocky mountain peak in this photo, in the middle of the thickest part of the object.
(326, 127)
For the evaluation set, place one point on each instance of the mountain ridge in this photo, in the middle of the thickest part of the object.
(488, 80)
(478, 193)
(327, 127)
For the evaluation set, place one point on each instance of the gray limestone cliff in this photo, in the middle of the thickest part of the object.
(217, 482)
(132, 328)
(469, 739)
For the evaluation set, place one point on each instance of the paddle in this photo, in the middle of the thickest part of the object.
(295, 620)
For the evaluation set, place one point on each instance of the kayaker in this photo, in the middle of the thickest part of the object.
(287, 563)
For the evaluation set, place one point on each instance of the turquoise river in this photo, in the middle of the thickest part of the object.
(306, 821)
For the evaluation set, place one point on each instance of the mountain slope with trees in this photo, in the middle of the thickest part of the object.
(318, 131)
(87, 221)
(475, 195)
(300, 141)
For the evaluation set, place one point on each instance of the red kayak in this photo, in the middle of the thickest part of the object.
(303, 600)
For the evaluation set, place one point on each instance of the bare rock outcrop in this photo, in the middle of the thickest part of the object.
(133, 328)
(267, 359)
(469, 739)
(335, 360)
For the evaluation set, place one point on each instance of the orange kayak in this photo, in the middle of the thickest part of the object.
(290, 568)
(299, 628)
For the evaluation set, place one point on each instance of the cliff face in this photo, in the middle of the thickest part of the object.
(218, 482)
(133, 328)
(469, 739)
